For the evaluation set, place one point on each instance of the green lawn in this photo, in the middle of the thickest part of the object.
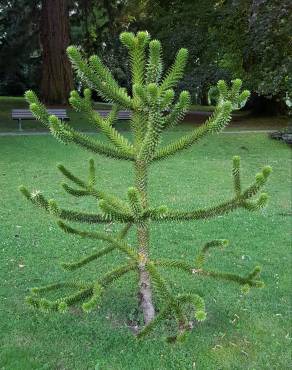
(241, 332)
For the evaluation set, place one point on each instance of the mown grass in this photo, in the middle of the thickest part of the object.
(241, 332)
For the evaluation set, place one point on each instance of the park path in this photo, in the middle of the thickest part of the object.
(42, 133)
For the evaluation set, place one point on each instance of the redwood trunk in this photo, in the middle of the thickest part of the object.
(57, 78)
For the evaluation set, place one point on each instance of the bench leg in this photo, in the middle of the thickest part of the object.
(19, 125)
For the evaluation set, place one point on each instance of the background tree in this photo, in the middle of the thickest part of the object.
(249, 39)
(154, 110)
(19, 56)
(255, 45)
(57, 78)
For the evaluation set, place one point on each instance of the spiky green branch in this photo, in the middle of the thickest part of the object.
(240, 200)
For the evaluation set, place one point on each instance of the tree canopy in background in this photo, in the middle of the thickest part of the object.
(19, 46)
(248, 39)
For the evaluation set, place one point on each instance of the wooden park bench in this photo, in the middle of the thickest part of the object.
(25, 114)
(122, 114)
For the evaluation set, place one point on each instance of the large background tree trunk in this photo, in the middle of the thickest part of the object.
(57, 78)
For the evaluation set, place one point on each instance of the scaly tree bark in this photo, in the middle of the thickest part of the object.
(154, 110)
(57, 78)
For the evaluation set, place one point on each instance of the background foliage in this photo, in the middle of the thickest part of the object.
(248, 39)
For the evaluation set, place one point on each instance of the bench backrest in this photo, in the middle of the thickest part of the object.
(122, 114)
(26, 114)
(61, 113)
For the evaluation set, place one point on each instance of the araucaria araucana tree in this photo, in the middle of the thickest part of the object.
(153, 110)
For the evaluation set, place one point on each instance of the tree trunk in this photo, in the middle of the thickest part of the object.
(145, 293)
(254, 10)
(57, 78)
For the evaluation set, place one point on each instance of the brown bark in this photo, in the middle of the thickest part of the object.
(254, 10)
(57, 77)
(145, 292)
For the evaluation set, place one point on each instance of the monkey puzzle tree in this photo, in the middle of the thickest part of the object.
(154, 110)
